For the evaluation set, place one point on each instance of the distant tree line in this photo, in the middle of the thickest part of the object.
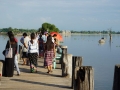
(44, 27)
(17, 31)
(96, 32)
(52, 28)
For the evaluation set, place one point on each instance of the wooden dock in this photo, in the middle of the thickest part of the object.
(36, 81)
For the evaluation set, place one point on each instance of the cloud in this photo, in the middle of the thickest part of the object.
(62, 13)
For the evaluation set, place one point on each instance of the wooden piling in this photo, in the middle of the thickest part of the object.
(76, 64)
(67, 65)
(64, 51)
(116, 81)
(85, 78)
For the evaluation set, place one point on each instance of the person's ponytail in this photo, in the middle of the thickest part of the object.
(32, 37)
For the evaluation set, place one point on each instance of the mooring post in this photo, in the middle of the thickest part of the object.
(85, 78)
(116, 81)
(67, 65)
(76, 63)
(64, 51)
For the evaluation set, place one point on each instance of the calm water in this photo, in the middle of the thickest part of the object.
(102, 57)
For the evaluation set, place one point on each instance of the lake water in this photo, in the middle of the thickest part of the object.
(102, 57)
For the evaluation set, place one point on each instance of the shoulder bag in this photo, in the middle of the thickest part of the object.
(9, 52)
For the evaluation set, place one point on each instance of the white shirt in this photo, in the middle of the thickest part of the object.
(44, 38)
(26, 39)
(33, 48)
(53, 39)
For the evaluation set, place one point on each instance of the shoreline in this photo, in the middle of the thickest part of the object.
(20, 34)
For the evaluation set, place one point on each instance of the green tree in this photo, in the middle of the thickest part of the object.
(48, 27)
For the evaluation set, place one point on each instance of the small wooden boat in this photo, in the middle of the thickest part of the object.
(102, 40)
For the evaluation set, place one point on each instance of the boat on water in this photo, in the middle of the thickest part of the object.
(102, 40)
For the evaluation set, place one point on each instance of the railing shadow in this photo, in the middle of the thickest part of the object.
(41, 83)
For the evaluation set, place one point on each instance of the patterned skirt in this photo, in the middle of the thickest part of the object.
(33, 61)
(49, 55)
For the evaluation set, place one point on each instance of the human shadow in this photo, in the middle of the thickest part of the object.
(39, 72)
(41, 83)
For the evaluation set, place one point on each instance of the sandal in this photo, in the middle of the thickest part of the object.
(48, 72)
(32, 70)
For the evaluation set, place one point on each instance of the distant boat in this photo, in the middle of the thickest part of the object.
(102, 40)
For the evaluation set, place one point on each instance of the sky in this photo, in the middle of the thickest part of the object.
(74, 15)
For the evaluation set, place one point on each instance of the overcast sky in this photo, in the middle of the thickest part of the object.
(65, 14)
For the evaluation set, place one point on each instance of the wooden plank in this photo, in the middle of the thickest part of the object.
(36, 81)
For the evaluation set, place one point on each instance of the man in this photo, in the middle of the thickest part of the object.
(25, 50)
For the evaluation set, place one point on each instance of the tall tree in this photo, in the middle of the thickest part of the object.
(48, 27)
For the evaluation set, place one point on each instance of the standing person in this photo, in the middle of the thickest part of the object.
(46, 35)
(9, 62)
(33, 53)
(49, 53)
(25, 50)
(16, 54)
(22, 39)
(41, 48)
(44, 41)
(37, 35)
(43, 37)
(56, 42)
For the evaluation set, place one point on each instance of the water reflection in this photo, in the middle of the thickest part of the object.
(101, 44)
(110, 40)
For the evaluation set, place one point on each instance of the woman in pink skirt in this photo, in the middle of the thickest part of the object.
(49, 53)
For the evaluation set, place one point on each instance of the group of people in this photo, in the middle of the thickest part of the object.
(33, 47)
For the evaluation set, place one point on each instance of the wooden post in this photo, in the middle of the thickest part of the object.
(64, 51)
(67, 65)
(76, 63)
(116, 82)
(85, 78)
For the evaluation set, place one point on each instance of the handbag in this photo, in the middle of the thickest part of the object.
(9, 52)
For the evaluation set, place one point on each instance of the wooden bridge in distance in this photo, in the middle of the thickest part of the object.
(36, 81)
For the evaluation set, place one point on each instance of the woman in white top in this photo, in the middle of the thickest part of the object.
(33, 53)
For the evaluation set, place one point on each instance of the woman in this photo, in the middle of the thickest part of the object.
(9, 62)
(33, 53)
(16, 56)
(49, 53)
